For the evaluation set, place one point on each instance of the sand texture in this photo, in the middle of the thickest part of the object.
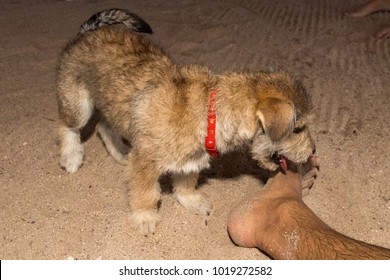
(46, 213)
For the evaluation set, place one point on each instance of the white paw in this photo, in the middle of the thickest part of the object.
(195, 202)
(72, 160)
(145, 222)
(72, 151)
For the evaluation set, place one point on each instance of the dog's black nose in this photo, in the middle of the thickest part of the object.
(314, 150)
(275, 157)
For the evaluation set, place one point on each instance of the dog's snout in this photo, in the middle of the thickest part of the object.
(275, 157)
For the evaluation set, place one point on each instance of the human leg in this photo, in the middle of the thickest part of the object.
(278, 222)
(369, 7)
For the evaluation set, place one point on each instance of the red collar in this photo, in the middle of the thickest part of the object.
(210, 143)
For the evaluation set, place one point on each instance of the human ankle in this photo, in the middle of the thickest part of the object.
(277, 239)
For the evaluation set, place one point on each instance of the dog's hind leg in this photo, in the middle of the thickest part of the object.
(76, 109)
(187, 194)
(72, 151)
(113, 142)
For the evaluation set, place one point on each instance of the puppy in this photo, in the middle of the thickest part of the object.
(175, 117)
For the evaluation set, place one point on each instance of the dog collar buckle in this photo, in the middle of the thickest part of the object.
(210, 142)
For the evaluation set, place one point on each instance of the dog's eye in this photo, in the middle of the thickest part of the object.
(299, 129)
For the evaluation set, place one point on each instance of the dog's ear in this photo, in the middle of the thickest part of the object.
(277, 117)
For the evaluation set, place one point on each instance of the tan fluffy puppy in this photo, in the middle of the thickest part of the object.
(162, 110)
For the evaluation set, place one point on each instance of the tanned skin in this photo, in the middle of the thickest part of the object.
(279, 223)
(370, 7)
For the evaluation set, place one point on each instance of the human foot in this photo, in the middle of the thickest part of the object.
(370, 7)
(309, 171)
(384, 33)
(253, 222)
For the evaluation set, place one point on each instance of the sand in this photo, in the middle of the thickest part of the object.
(49, 214)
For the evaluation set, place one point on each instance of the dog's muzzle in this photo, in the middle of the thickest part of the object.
(276, 157)
(279, 160)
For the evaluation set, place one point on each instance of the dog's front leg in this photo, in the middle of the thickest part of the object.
(144, 194)
(187, 194)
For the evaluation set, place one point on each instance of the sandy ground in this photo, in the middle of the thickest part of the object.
(49, 214)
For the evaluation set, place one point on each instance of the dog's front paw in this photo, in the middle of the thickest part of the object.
(145, 222)
(195, 202)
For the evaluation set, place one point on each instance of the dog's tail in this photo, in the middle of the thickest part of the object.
(116, 16)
